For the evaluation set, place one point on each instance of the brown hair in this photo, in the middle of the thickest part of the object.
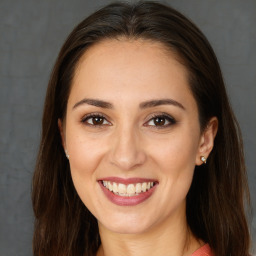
(215, 202)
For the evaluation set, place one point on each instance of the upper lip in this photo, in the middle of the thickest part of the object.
(127, 181)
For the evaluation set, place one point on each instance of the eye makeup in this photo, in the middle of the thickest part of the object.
(95, 119)
(157, 121)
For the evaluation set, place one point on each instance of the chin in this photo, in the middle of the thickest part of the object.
(127, 224)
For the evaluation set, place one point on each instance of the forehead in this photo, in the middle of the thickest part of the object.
(115, 68)
(125, 48)
(124, 43)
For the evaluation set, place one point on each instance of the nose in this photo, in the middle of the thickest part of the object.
(127, 149)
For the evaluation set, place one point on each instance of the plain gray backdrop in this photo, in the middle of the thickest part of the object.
(31, 34)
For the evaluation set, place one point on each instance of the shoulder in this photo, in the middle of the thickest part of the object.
(203, 251)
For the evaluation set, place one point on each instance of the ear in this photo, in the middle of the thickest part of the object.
(206, 142)
(62, 133)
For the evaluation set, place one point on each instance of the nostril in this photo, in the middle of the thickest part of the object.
(127, 160)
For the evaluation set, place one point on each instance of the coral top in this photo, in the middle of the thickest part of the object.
(203, 251)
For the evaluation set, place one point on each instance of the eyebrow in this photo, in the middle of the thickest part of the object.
(143, 105)
(94, 102)
(155, 103)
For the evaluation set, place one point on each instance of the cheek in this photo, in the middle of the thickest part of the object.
(176, 153)
(84, 152)
(176, 162)
(85, 156)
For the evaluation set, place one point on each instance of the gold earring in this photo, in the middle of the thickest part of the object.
(203, 159)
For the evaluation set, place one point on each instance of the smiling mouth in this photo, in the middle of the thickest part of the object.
(133, 189)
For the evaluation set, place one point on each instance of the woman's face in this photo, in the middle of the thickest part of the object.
(132, 127)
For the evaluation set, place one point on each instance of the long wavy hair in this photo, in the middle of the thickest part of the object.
(219, 191)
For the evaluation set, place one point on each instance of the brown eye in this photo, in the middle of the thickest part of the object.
(95, 120)
(159, 121)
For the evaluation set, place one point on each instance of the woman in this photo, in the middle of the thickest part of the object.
(140, 152)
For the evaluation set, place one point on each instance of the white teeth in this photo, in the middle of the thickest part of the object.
(144, 187)
(130, 189)
(110, 187)
(138, 188)
(115, 188)
(122, 189)
(127, 190)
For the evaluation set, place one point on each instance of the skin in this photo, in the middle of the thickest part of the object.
(128, 144)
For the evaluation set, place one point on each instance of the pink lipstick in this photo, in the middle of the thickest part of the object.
(127, 192)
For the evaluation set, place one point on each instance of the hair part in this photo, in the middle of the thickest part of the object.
(215, 202)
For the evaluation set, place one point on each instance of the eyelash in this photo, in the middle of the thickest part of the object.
(166, 117)
(94, 115)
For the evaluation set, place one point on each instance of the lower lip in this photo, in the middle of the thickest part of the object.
(127, 200)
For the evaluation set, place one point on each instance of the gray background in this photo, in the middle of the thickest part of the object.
(31, 34)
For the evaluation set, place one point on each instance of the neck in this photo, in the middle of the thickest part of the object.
(176, 240)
